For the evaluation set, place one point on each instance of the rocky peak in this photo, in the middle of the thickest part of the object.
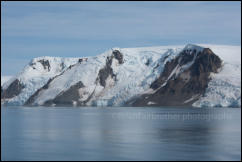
(118, 55)
(45, 64)
(184, 79)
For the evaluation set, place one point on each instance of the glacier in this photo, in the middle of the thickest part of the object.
(224, 89)
(141, 67)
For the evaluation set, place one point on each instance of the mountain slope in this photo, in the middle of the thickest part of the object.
(110, 81)
(224, 89)
(129, 76)
(184, 79)
(34, 75)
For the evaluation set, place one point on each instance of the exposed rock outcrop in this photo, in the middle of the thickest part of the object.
(45, 64)
(107, 71)
(68, 97)
(82, 59)
(119, 56)
(183, 80)
(12, 90)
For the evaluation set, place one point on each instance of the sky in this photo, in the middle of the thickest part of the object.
(77, 29)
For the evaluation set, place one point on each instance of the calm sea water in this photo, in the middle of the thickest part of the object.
(127, 133)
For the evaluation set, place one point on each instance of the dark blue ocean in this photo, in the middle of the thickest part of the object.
(120, 133)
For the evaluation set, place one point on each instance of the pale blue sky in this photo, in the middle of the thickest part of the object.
(76, 29)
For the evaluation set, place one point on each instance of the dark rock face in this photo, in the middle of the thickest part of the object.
(45, 64)
(119, 56)
(207, 61)
(82, 59)
(67, 97)
(107, 70)
(13, 89)
(188, 86)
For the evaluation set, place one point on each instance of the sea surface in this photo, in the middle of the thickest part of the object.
(120, 133)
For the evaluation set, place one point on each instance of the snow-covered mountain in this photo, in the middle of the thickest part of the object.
(198, 75)
(34, 75)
